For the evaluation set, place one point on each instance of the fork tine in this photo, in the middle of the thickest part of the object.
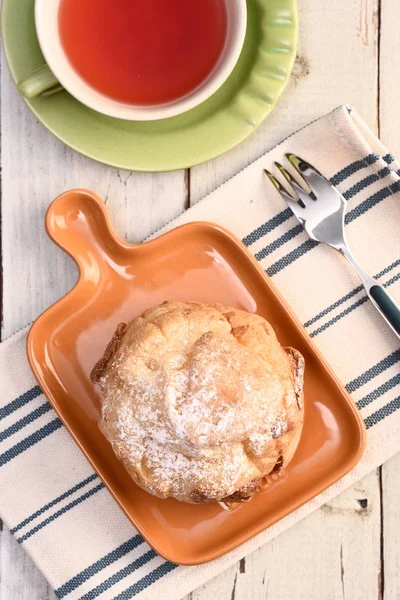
(302, 194)
(310, 174)
(292, 203)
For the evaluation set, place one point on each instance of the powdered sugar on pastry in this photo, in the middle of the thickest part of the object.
(200, 401)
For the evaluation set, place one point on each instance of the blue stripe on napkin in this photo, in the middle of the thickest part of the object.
(73, 583)
(382, 413)
(354, 167)
(32, 416)
(350, 309)
(348, 296)
(373, 371)
(267, 227)
(117, 577)
(369, 180)
(29, 441)
(20, 402)
(61, 512)
(146, 581)
(379, 391)
(46, 507)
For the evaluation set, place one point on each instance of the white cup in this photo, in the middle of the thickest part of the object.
(59, 74)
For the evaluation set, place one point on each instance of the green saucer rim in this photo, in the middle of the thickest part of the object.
(284, 61)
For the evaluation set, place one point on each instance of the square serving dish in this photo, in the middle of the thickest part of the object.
(118, 281)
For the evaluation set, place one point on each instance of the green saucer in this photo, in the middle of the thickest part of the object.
(207, 131)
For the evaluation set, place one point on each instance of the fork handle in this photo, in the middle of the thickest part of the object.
(386, 305)
(382, 301)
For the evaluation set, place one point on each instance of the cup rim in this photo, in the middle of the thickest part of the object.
(46, 22)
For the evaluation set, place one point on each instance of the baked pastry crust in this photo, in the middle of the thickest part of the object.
(200, 402)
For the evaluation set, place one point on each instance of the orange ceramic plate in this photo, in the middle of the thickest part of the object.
(198, 261)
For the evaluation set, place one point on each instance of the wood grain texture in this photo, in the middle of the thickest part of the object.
(19, 577)
(389, 122)
(347, 49)
(389, 96)
(36, 168)
(324, 77)
(329, 555)
(391, 528)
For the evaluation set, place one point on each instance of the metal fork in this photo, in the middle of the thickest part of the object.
(320, 210)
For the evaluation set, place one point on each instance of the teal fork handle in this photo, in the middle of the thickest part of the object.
(387, 306)
(376, 292)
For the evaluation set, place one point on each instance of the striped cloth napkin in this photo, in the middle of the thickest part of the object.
(51, 499)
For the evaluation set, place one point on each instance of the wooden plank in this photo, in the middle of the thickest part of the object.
(336, 64)
(389, 97)
(335, 552)
(36, 168)
(389, 120)
(331, 554)
(391, 528)
(19, 577)
(1, 271)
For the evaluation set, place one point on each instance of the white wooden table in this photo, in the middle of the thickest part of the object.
(349, 52)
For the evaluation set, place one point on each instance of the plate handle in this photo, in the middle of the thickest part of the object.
(78, 222)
